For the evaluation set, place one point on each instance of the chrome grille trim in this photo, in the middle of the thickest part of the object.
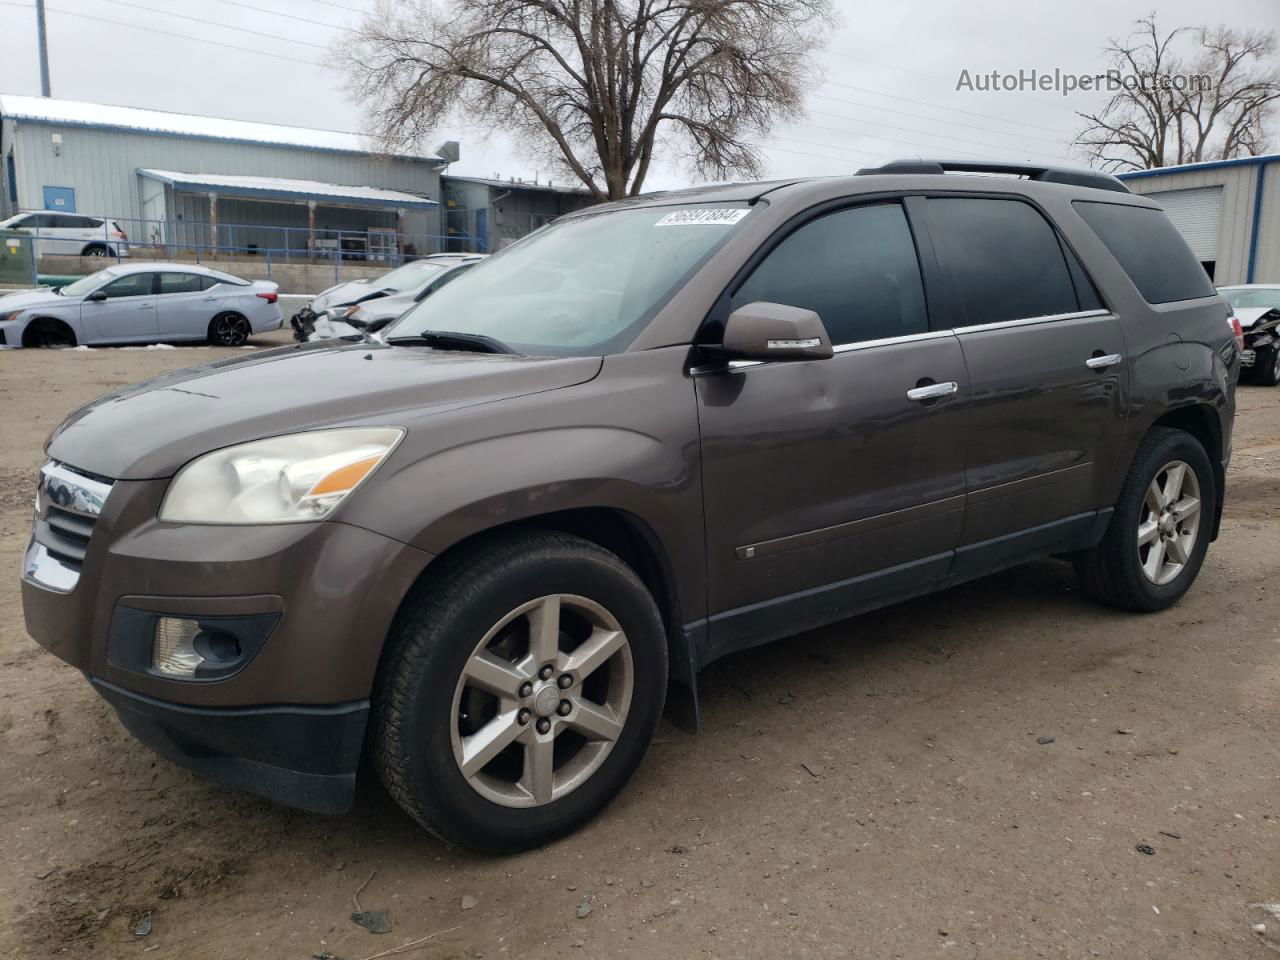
(68, 504)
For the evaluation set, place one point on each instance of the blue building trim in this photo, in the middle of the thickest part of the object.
(1256, 229)
(1197, 167)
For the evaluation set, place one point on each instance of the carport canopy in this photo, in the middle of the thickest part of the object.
(280, 188)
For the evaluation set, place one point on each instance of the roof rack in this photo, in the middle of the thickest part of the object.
(1073, 176)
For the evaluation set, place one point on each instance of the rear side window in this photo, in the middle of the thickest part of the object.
(1003, 257)
(1150, 249)
(207, 282)
(856, 268)
(180, 283)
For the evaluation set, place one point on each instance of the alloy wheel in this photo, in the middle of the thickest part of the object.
(231, 331)
(542, 700)
(1170, 522)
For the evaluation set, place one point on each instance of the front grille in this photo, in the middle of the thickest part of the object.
(68, 503)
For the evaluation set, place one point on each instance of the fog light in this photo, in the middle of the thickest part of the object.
(173, 651)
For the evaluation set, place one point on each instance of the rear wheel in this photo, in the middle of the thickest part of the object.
(519, 692)
(1266, 367)
(1159, 533)
(229, 330)
(95, 250)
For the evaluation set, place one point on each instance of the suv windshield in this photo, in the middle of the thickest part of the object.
(1253, 298)
(409, 277)
(578, 287)
(86, 284)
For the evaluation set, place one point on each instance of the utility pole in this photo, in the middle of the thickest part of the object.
(44, 49)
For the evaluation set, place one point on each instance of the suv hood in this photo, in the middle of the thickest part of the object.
(151, 429)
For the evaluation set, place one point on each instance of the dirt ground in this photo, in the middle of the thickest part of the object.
(874, 789)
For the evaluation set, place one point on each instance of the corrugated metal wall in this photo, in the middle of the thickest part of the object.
(1238, 186)
(1267, 266)
(102, 166)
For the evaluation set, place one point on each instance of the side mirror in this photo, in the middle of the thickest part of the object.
(775, 331)
(97, 296)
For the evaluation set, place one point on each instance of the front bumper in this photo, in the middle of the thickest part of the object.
(289, 721)
(304, 757)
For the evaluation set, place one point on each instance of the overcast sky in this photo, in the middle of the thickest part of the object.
(889, 89)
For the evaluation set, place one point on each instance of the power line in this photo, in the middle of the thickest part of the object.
(215, 23)
(289, 16)
(920, 116)
(939, 106)
(905, 143)
(329, 3)
(927, 133)
(167, 33)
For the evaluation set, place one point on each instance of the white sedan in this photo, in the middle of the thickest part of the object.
(142, 303)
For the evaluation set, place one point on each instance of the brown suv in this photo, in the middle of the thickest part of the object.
(484, 550)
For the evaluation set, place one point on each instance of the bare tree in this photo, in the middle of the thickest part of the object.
(1213, 104)
(593, 85)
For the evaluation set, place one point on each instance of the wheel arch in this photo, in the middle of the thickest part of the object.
(37, 323)
(1202, 421)
(635, 542)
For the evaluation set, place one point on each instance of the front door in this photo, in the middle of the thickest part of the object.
(828, 483)
(127, 314)
(1046, 366)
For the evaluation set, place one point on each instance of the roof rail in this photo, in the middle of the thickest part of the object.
(1073, 176)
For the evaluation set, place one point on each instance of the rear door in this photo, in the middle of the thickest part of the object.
(830, 482)
(127, 314)
(184, 304)
(1045, 361)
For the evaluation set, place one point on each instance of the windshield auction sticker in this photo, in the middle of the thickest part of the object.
(701, 217)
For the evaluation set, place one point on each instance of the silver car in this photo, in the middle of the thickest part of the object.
(142, 303)
(370, 304)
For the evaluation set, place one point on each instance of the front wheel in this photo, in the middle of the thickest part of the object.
(1159, 533)
(519, 692)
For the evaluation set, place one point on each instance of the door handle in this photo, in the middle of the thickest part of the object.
(1102, 362)
(933, 391)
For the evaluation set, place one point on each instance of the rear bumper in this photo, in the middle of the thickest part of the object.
(302, 756)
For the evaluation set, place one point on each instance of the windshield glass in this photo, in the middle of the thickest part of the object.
(1269, 299)
(409, 277)
(87, 284)
(579, 287)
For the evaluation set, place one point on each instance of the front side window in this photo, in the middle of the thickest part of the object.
(586, 286)
(130, 285)
(856, 268)
(1003, 259)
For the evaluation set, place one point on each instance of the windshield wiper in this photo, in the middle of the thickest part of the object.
(453, 340)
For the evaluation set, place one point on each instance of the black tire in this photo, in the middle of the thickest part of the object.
(433, 638)
(1266, 367)
(95, 250)
(229, 330)
(49, 333)
(1112, 571)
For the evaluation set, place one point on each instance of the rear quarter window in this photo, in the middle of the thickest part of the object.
(1150, 250)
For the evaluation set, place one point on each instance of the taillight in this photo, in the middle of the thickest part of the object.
(1237, 330)
(269, 297)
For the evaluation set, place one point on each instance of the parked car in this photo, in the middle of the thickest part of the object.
(142, 303)
(71, 234)
(1257, 307)
(370, 304)
(654, 433)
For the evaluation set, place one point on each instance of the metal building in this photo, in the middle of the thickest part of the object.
(1228, 211)
(498, 212)
(189, 182)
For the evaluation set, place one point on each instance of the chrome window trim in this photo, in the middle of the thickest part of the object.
(1033, 321)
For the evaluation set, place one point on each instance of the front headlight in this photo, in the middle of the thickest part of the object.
(291, 479)
(6, 317)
